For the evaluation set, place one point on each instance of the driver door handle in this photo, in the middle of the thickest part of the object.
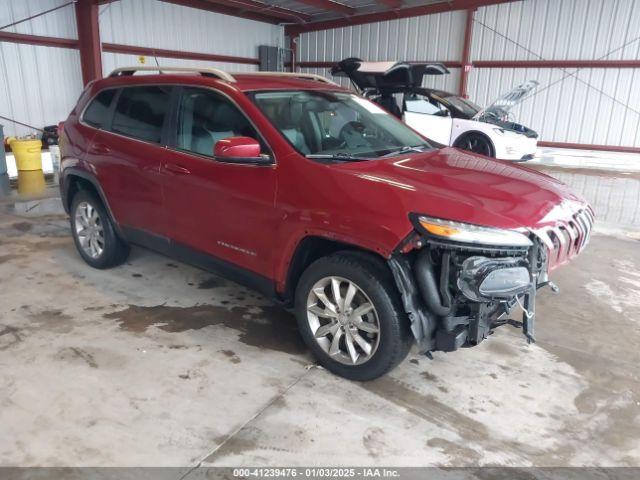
(176, 169)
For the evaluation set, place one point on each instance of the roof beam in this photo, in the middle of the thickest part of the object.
(38, 40)
(285, 14)
(330, 5)
(163, 53)
(391, 3)
(226, 10)
(440, 7)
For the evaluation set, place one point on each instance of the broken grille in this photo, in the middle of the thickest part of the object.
(568, 238)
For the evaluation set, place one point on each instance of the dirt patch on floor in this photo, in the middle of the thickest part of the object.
(9, 336)
(231, 355)
(457, 455)
(212, 282)
(428, 408)
(75, 354)
(267, 327)
(22, 226)
(8, 258)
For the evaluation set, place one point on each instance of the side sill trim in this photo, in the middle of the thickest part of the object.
(204, 261)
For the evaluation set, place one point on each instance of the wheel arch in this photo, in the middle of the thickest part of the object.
(313, 247)
(476, 132)
(75, 180)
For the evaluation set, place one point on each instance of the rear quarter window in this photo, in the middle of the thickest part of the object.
(97, 112)
(140, 112)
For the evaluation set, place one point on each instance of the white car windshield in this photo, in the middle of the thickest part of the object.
(337, 126)
(467, 107)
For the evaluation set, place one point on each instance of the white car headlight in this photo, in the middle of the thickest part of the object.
(474, 234)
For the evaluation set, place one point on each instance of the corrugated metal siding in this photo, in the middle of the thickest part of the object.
(61, 23)
(557, 30)
(418, 38)
(586, 106)
(38, 85)
(569, 110)
(150, 23)
(110, 61)
(562, 110)
(616, 200)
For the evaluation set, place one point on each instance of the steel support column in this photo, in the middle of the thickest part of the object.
(89, 39)
(466, 53)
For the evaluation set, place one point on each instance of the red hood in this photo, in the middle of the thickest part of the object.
(455, 185)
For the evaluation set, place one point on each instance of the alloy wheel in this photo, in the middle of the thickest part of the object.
(343, 320)
(477, 144)
(89, 231)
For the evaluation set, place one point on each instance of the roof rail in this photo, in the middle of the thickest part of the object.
(205, 72)
(302, 76)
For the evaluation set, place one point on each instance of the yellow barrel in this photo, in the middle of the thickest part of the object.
(31, 182)
(27, 153)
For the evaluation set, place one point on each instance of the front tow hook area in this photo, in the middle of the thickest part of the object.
(527, 306)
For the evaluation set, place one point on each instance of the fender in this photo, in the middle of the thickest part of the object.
(283, 267)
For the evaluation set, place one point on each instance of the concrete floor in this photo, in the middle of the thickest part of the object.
(156, 363)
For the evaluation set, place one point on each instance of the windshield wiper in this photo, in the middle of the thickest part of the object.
(400, 151)
(345, 157)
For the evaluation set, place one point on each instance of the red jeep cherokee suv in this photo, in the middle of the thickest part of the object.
(319, 199)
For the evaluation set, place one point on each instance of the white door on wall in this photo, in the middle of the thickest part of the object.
(434, 122)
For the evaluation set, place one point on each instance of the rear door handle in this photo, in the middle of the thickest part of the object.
(177, 169)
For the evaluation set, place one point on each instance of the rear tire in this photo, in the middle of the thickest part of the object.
(93, 232)
(371, 340)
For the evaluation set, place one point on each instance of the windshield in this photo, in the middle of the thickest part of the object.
(337, 126)
(465, 106)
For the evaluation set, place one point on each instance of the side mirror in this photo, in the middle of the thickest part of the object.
(239, 150)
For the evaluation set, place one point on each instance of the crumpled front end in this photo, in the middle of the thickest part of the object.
(456, 292)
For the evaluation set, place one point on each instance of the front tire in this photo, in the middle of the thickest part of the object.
(476, 143)
(94, 234)
(350, 316)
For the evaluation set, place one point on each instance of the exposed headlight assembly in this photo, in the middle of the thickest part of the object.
(470, 234)
(483, 279)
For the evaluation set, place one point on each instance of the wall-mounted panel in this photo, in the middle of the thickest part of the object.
(418, 38)
(155, 24)
(60, 23)
(588, 106)
(38, 85)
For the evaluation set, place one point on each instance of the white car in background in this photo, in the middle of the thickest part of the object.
(444, 117)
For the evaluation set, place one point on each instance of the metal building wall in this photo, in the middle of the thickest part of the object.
(417, 38)
(595, 106)
(38, 85)
(586, 106)
(154, 24)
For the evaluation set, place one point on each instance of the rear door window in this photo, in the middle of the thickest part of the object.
(140, 112)
(97, 112)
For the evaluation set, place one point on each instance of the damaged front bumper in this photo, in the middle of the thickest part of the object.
(455, 295)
